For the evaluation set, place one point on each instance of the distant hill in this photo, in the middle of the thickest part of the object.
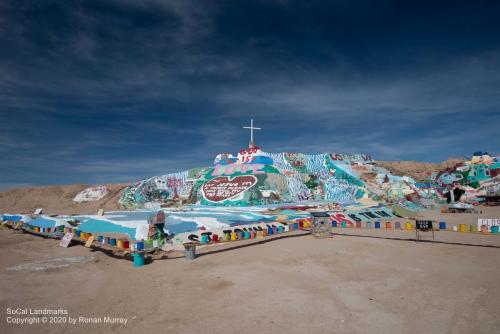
(57, 199)
(419, 171)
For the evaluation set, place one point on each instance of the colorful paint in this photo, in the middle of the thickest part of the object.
(224, 188)
(255, 178)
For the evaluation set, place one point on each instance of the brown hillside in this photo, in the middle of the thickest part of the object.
(420, 171)
(57, 199)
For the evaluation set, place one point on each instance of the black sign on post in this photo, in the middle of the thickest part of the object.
(423, 226)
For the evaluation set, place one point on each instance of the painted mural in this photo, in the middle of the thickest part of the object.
(255, 177)
(357, 158)
(224, 188)
(474, 176)
(364, 215)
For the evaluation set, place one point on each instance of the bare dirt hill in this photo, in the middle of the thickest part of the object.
(420, 171)
(57, 199)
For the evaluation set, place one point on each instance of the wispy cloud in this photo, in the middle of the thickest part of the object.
(118, 90)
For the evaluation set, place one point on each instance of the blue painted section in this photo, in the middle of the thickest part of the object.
(138, 260)
(480, 153)
(172, 226)
(95, 226)
(289, 212)
(228, 161)
(224, 216)
(181, 227)
(128, 215)
(177, 222)
(14, 218)
(43, 222)
(261, 159)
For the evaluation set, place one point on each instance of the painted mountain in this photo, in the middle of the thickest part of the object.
(255, 177)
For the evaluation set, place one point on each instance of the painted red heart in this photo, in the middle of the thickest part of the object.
(223, 188)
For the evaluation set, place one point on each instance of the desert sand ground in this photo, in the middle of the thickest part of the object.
(358, 281)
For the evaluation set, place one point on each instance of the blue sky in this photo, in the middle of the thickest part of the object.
(115, 91)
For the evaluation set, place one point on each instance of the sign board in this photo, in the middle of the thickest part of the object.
(487, 222)
(365, 215)
(423, 225)
(100, 212)
(66, 240)
(246, 155)
(38, 211)
(364, 158)
(223, 188)
(89, 242)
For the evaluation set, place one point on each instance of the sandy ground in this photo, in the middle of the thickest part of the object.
(359, 281)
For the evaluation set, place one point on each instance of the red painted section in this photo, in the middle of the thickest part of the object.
(222, 188)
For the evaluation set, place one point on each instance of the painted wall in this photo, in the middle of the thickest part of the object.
(366, 215)
(255, 177)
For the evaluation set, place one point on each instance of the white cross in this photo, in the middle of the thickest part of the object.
(251, 130)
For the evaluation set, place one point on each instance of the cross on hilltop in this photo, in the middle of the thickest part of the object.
(251, 127)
